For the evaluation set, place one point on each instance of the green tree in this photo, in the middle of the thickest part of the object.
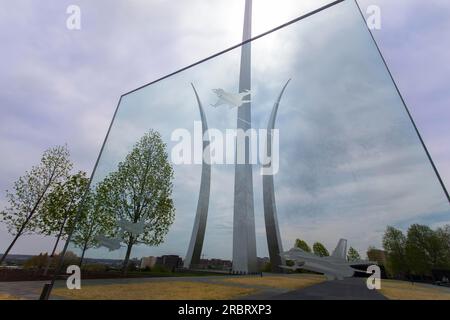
(320, 250)
(92, 221)
(40, 261)
(394, 242)
(140, 192)
(302, 245)
(425, 249)
(60, 209)
(61, 206)
(353, 255)
(30, 191)
(36, 262)
(444, 235)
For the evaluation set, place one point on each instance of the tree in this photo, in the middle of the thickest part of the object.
(36, 262)
(422, 250)
(30, 190)
(40, 261)
(302, 245)
(394, 242)
(61, 207)
(444, 235)
(353, 255)
(92, 221)
(320, 250)
(140, 192)
(425, 249)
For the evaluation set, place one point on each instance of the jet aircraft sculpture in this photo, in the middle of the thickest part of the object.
(333, 267)
(111, 243)
(134, 228)
(125, 226)
(230, 99)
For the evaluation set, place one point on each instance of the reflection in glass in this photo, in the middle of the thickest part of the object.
(350, 162)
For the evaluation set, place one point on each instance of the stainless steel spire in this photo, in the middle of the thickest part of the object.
(244, 239)
(198, 232)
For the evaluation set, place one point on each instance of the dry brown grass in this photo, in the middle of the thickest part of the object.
(283, 282)
(402, 290)
(5, 296)
(170, 290)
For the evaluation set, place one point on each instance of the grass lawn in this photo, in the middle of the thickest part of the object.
(149, 274)
(4, 296)
(403, 290)
(173, 290)
(283, 282)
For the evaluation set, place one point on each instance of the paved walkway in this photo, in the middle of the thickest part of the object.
(348, 289)
(28, 290)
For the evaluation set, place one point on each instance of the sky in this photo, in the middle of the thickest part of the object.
(62, 86)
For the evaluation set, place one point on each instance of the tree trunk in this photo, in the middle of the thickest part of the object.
(30, 215)
(127, 256)
(9, 248)
(15, 239)
(86, 243)
(82, 253)
(50, 259)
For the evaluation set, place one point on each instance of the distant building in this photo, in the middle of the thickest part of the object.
(378, 256)
(262, 263)
(441, 276)
(214, 264)
(170, 262)
(148, 262)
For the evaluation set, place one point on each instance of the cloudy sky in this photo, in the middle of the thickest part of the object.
(62, 86)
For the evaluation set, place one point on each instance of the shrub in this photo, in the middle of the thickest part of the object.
(37, 262)
(95, 267)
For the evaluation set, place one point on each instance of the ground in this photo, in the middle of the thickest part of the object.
(347, 289)
(270, 286)
(232, 287)
(161, 290)
(4, 296)
(282, 282)
(402, 290)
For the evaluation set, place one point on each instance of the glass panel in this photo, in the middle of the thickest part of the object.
(350, 162)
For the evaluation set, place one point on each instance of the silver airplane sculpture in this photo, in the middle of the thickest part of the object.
(333, 267)
(134, 228)
(230, 99)
(111, 243)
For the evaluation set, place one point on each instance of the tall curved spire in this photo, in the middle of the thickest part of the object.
(244, 237)
(198, 232)
(270, 209)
